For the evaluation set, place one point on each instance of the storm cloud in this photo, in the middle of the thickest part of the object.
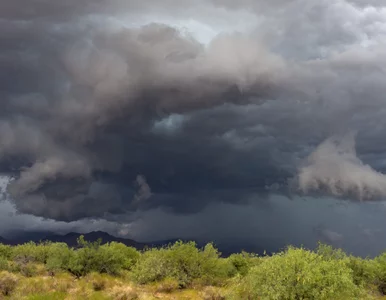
(114, 110)
(335, 168)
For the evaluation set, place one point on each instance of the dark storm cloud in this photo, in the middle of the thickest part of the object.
(89, 107)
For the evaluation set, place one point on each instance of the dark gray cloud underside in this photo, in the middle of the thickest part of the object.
(103, 118)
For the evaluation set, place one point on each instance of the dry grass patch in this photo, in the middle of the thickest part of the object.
(167, 285)
(8, 283)
(212, 293)
(123, 293)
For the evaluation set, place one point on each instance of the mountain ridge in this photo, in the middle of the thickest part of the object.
(71, 240)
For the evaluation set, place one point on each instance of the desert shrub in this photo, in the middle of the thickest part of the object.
(24, 253)
(114, 257)
(213, 268)
(86, 259)
(183, 262)
(330, 253)
(82, 262)
(8, 282)
(121, 256)
(240, 263)
(380, 272)
(299, 274)
(31, 252)
(93, 257)
(3, 264)
(152, 266)
(28, 270)
(364, 270)
(23, 267)
(5, 251)
(59, 257)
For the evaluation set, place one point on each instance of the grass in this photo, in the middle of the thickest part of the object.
(91, 287)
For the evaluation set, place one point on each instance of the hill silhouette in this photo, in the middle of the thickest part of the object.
(226, 248)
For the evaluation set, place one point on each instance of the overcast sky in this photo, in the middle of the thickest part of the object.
(261, 121)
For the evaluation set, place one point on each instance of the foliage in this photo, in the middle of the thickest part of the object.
(31, 252)
(5, 251)
(242, 262)
(380, 272)
(364, 271)
(93, 257)
(3, 264)
(95, 271)
(59, 256)
(329, 253)
(299, 274)
(183, 262)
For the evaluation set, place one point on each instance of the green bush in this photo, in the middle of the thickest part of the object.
(326, 273)
(3, 264)
(5, 251)
(299, 274)
(110, 258)
(85, 260)
(28, 270)
(59, 257)
(380, 271)
(214, 270)
(152, 266)
(31, 252)
(242, 262)
(329, 253)
(364, 271)
(115, 257)
(183, 262)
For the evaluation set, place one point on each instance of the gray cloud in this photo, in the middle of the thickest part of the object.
(144, 190)
(94, 93)
(335, 168)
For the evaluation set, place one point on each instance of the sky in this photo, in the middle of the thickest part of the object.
(249, 121)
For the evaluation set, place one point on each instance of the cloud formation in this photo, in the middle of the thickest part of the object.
(95, 93)
(335, 168)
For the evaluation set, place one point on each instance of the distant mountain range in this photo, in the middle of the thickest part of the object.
(71, 240)
(4, 241)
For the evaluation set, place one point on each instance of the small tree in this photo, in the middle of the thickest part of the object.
(59, 257)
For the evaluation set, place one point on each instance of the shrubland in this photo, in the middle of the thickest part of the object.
(185, 271)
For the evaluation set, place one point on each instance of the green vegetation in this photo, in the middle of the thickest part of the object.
(184, 271)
